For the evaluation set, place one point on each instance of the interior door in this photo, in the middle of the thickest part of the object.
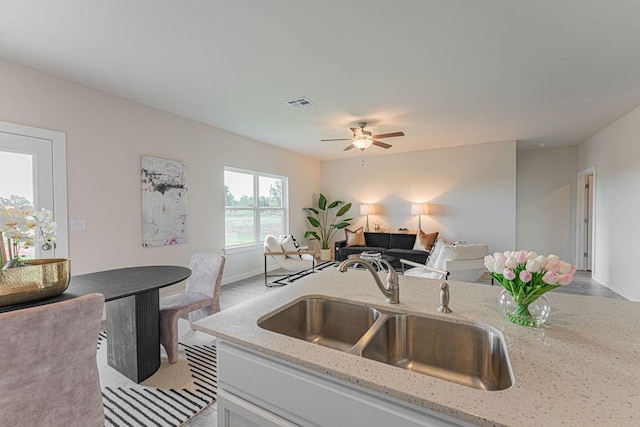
(588, 220)
(26, 172)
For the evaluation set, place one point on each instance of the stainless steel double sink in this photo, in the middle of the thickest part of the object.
(473, 355)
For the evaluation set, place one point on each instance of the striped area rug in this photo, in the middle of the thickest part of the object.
(172, 395)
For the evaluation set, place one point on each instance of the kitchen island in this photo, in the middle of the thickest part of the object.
(581, 368)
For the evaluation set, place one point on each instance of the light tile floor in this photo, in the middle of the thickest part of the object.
(240, 291)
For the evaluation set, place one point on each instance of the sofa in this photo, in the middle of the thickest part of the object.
(397, 245)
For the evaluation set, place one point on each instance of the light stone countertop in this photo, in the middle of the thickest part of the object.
(581, 368)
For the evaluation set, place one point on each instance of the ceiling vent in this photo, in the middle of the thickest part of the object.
(301, 103)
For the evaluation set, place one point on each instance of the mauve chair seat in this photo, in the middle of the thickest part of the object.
(201, 298)
(184, 301)
(49, 374)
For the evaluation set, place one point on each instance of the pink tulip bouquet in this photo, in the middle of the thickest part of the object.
(526, 276)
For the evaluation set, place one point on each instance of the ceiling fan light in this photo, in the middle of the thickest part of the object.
(363, 143)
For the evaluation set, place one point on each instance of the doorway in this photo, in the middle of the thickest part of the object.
(33, 171)
(585, 233)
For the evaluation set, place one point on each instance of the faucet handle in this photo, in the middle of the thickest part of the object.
(444, 298)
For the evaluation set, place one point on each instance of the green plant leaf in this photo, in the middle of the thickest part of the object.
(322, 202)
(326, 221)
(313, 221)
(343, 210)
(312, 234)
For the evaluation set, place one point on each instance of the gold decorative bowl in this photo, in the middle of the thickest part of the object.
(41, 278)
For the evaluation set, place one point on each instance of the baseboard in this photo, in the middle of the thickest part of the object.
(242, 276)
(176, 289)
(615, 288)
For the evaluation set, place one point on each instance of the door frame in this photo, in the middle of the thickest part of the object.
(59, 157)
(580, 226)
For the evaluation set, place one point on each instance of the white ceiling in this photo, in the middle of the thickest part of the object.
(446, 72)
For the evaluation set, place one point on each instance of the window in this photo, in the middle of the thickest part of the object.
(255, 206)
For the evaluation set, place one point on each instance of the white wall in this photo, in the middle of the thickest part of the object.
(615, 152)
(106, 135)
(471, 191)
(546, 201)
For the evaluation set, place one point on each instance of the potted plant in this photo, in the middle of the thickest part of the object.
(327, 220)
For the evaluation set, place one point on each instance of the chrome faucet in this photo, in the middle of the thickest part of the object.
(391, 291)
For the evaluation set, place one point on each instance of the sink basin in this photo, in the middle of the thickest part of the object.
(471, 355)
(330, 323)
(466, 354)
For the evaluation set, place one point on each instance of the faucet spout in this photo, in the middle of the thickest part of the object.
(392, 289)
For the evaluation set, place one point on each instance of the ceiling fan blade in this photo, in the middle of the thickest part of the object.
(388, 135)
(349, 147)
(341, 139)
(381, 144)
(356, 131)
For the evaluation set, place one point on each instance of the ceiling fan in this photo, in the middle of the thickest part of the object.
(363, 139)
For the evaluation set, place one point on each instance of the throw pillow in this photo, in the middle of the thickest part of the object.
(433, 256)
(424, 241)
(289, 244)
(271, 244)
(355, 238)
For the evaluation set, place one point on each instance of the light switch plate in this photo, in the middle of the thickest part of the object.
(78, 224)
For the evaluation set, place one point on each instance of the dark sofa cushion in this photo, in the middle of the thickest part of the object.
(401, 241)
(380, 240)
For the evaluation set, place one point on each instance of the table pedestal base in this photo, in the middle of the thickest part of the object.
(133, 335)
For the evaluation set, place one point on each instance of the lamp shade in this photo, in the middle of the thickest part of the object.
(419, 209)
(367, 209)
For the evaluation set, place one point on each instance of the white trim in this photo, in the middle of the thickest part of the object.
(59, 152)
(614, 288)
(242, 276)
(230, 250)
(580, 263)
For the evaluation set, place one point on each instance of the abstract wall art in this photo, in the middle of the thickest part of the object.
(164, 202)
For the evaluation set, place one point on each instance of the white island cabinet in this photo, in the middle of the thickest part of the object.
(257, 390)
(582, 368)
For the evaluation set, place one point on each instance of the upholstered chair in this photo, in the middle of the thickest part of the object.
(293, 261)
(49, 373)
(461, 262)
(201, 298)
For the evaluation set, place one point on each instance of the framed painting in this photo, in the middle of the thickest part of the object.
(164, 202)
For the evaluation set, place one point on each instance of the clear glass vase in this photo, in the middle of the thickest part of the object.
(533, 314)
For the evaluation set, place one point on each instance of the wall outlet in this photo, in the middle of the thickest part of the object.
(78, 224)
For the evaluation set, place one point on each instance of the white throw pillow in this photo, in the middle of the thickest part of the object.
(271, 244)
(433, 256)
(289, 244)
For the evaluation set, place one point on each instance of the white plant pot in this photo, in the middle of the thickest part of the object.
(325, 254)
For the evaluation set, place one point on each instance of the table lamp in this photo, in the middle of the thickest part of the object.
(367, 210)
(419, 209)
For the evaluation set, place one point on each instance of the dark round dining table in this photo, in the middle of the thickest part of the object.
(132, 298)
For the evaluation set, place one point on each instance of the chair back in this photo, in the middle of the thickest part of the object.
(49, 369)
(206, 278)
(271, 244)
